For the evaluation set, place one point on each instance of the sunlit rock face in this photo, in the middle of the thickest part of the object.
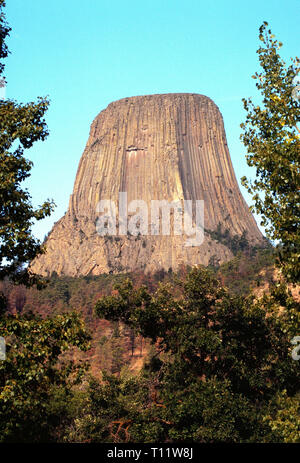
(157, 147)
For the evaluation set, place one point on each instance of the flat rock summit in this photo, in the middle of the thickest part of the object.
(168, 147)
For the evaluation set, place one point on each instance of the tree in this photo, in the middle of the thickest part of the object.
(21, 125)
(271, 136)
(220, 361)
(33, 367)
(4, 32)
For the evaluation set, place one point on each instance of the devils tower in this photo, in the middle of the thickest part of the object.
(156, 147)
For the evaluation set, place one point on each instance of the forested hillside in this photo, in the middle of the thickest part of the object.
(114, 345)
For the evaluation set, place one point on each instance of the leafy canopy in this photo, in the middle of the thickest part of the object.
(219, 362)
(272, 139)
(33, 367)
(21, 125)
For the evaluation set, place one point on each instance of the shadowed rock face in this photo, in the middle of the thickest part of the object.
(153, 147)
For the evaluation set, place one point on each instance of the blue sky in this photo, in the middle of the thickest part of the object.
(86, 54)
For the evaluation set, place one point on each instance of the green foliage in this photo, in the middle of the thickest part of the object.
(33, 374)
(109, 408)
(220, 361)
(220, 368)
(284, 417)
(244, 273)
(4, 32)
(235, 243)
(32, 369)
(271, 136)
(281, 298)
(21, 125)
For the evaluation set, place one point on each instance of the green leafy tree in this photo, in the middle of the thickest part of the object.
(33, 371)
(271, 136)
(4, 32)
(33, 368)
(284, 417)
(220, 360)
(21, 125)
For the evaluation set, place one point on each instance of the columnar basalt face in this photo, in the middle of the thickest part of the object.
(156, 147)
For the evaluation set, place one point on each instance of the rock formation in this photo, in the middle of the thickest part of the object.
(152, 147)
